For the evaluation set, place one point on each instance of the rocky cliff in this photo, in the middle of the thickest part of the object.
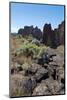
(49, 37)
(53, 38)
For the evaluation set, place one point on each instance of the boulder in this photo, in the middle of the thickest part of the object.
(41, 89)
(41, 73)
(34, 67)
(53, 86)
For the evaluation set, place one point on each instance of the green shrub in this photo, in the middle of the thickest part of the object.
(26, 66)
(42, 50)
(29, 49)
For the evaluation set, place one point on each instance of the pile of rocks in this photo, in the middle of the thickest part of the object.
(43, 78)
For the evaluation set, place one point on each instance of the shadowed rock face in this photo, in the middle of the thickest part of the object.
(35, 32)
(49, 36)
(26, 30)
(53, 38)
(60, 33)
(47, 31)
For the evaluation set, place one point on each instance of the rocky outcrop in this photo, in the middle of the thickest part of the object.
(47, 31)
(42, 73)
(48, 87)
(60, 33)
(53, 38)
(50, 37)
(30, 30)
(37, 33)
(41, 89)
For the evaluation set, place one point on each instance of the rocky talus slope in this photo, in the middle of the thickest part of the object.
(45, 77)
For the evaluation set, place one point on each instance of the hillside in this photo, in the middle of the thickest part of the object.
(36, 69)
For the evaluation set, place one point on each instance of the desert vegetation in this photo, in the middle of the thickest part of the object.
(37, 61)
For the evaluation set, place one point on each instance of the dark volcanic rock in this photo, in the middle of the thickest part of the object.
(49, 87)
(54, 86)
(60, 33)
(35, 32)
(34, 67)
(42, 73)
(53, 38)
(45, 58)
(38, 72)
(41, 89)
(26, 31)
(49, 36)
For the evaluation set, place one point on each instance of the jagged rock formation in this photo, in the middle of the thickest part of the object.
(47, 31)
(52, 38)
(48, 36)
(55, 37)
(60, 34)
(35, 32)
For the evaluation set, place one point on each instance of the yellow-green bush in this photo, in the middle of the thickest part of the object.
(31, 49)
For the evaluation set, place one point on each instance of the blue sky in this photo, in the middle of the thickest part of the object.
(36, 15)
